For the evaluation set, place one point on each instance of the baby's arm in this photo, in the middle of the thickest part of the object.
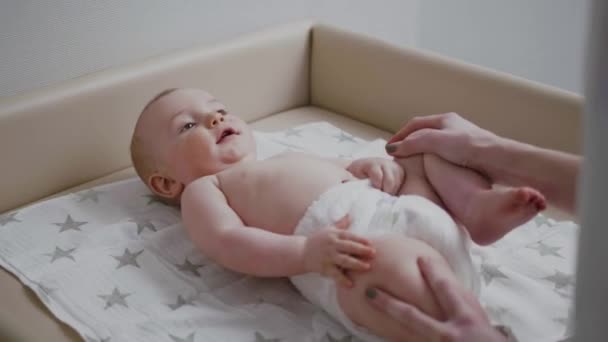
(219, 232)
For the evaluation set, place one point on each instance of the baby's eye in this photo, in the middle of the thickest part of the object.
(187, 126)
(222, 111)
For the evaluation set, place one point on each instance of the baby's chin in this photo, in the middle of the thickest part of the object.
(237, 157)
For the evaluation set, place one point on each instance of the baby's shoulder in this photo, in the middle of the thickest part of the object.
(202, 191)
(203, 184)
(208, 180)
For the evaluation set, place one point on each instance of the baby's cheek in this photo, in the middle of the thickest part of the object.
(195, 156)
(197, 147)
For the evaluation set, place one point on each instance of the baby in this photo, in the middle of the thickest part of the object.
(310, 219)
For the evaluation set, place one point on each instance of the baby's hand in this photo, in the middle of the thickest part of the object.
(333, 251)
(384, 174)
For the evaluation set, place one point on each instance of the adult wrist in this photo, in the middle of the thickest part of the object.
(505, 161)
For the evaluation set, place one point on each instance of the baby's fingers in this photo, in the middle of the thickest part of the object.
(348, 262)
(343, 235)
(354, 248)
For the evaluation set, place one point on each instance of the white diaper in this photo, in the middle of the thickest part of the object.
(373, 213)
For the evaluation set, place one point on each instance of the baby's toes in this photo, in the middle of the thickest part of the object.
(532, 198)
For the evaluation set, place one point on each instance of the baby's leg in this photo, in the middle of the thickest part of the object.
(416, 182)
(487, 213)
(394, 269)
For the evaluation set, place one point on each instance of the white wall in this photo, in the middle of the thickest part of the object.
(542, 40)
(42, 42)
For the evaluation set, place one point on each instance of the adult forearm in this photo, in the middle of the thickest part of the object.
(551, 172)
(261, 253)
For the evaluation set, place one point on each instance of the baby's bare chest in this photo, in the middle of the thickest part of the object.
(274, 194)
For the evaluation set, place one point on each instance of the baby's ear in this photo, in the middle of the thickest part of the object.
(165, 187)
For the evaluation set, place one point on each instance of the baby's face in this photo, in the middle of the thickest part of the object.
(194, 135)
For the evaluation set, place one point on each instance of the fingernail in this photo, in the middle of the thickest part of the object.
(371, 293)
(390, 148)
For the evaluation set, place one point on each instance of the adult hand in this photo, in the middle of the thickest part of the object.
(465, 321)
(447, 135)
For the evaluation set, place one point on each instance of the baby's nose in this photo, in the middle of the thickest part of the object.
(214, 119)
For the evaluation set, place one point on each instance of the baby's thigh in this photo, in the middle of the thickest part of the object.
(394, 270)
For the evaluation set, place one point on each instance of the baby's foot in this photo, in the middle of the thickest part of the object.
(494, 213)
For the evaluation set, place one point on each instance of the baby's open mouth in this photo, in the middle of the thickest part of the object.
(226, 133)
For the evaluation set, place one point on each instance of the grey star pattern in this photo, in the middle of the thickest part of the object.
(90, 194)
(293, 132)
(489, 272)
(70, 224)
(260, 338)
(189, 338)
(180, 302)
(543, 220)
(544, 249)
(346, 338)
(153, 199)
(560, 280)
(60, 253)
(91, 339)
(115, 298)
(8, 218)
(344, 137)
(143, 224)
(187, 266)
(128, 258)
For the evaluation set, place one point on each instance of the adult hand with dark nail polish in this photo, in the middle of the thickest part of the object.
(466, 321)
(501, 160)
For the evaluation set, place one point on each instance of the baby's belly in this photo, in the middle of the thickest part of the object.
(279, 203)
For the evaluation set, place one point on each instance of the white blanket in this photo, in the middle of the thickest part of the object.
(116, 265)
